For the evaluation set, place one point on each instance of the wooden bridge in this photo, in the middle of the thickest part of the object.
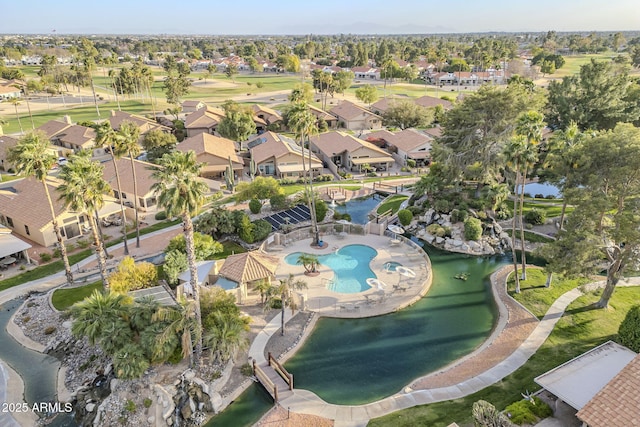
(274, 378)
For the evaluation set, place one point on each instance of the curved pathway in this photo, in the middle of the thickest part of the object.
(307, 402)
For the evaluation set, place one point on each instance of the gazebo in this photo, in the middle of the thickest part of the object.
(248, 267)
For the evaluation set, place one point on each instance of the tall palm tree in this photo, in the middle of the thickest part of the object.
(15, 101)
(303, 123)
(284, 291)
(25, 89)
(32, 157)
(127, 137)
(112, 75)
(529, 125)
(513, 152)
(180, 193)
(83, 190)
(107, 138)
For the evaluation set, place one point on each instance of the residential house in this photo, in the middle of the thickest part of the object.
(381, 106)
(270, 117)
(116, 118)
(25, 210)
(354, 117)
(431, 102)
(190, 106)
(600, 386)
(366, 73)
(12, 246)
(280, 156)
(70, 137)
(214, 152)
(205, 120)
(408, 144)
(8, 92)
(146, 197)
(435, 132)
(341, 150)
(6, 143)
(330, 119)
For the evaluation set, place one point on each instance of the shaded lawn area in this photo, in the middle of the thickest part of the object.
(530, 237)
(65, 298)
(553, 208)
(392, 203)
(580, 329)
(535, 296)
(229, 248)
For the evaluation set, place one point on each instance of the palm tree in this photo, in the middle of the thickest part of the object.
(513, 152)
(32, 157)
(83, 190)
(496, 194)
(15, 101)
(112, 74)
(127, 137)
(180, 193)
(97, 313)
(303, 123)
(107, 138)
(263, 286)
(226, 337)
(24, 88)
(2, 123)
(181, 321)
(309, 261)
(529, 125)
(284, 291)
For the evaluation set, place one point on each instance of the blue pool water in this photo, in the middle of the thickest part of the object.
(350, 265)
(359, 208)
(225, 283)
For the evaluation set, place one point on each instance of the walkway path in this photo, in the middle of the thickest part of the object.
(306, 402)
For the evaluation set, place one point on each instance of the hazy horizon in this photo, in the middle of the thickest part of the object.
(285, 17)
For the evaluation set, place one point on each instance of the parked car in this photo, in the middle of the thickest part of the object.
(62, 161)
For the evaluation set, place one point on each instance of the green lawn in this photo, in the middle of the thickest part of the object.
(392, 203)
(230, 248)
(65, 298)
(553, 208)
(535, 296)
(581, 329)
(531, 237)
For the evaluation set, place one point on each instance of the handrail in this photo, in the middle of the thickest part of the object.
(280, 370)
(266, 382)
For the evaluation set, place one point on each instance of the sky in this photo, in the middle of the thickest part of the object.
(225, 17)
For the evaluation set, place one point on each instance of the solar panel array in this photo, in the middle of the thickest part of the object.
(296, 214)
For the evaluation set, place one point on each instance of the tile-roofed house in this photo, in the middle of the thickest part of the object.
(117, 118)
(214, 152)
(366, 72)
(617, 404)
(381, 106)
(146, 197)
(280, 156)
(268, 115)
(339, 149)
(408, 144)
(190, 106)
(431, 102)
(76, 138)
(9, 91)
(354, 117)
(248, 267)
(24, 208)
(435, 132)
(11, 245)
(332, 121)
(54, 127)
(205, 120)
(6, 143)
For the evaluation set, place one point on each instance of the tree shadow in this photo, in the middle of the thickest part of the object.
(582, 309)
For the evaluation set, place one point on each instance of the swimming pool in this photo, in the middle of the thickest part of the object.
(350, 265)
(225, 283)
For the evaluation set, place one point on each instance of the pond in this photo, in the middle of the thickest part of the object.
(359, 208)
(542, 188)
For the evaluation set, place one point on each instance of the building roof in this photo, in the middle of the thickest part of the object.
(266, 113)
(158, 293)
(192, 103)
(336, 142)
(144, 179)
(10, 244)
(78, 136)
(213, 145)
(577, 381)
(7, 142)
(29, 202)
(145, 125)
(349, 111)
(249, 266)
(618, 403)
(9, 89)
(202, 270)
(321, 114)
(431, 102)
(270, 144)
(406, 140)
(53, 127)
(204, 118)
(435, 132)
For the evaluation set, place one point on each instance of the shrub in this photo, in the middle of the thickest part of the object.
(526, 412)
(147, 402)
(45, 257)
(415, 210)
(442, 206)
(436, 230)
(26, 319)
(459, 215)
(245, 229)
(83, 244)
(539, 196)
(472, 229)
(49, 330)
(278, 202)
(338, 216)
(57, 253)
(255, 206)
(535, 216)
(130, 406)
(321, 210)
(130, 276)
(261, 230)
(405, 217)
(161, 216)
(629, 331)
(550, 197)
(70, 248)
(246, 370)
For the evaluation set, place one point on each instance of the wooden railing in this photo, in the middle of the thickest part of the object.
(277, 366)
(263, 378)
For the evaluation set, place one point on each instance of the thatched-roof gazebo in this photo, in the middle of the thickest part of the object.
(248, 267)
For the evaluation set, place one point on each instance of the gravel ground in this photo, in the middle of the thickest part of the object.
(280, 417)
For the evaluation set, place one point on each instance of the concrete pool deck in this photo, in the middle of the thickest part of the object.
(399, 292)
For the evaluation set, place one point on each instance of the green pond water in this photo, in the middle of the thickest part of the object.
(355, 361)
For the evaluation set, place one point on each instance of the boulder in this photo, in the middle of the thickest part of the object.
(457, 243)
(439, 240)
(429, 237)
(90, 407)
(497, 227)
(475, 246)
